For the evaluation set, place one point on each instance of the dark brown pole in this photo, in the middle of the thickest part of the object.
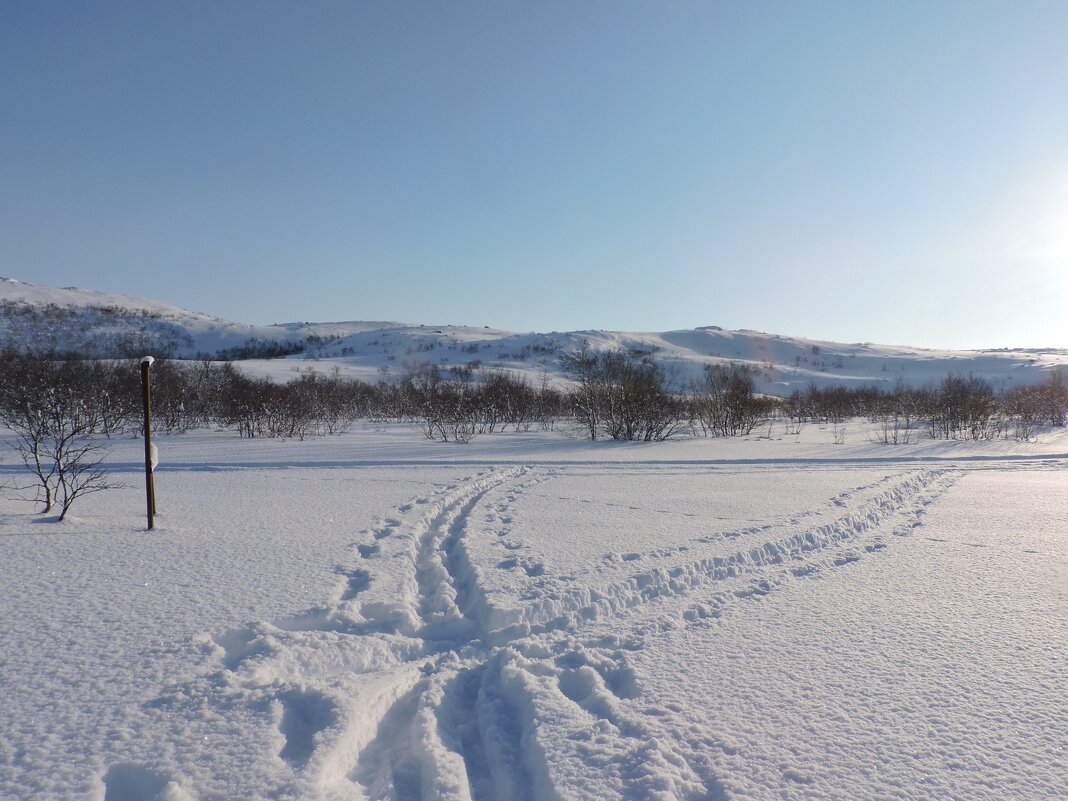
(146, 396)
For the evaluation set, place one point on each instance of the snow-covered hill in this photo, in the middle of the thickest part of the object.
(110, 324)
(104, 324)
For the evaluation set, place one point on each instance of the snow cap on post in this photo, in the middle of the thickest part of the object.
(147, 360)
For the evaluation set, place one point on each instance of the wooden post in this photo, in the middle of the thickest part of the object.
(146, 397)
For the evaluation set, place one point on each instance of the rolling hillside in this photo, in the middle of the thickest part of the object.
(107, 325)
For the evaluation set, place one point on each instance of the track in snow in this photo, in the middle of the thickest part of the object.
(412, 685)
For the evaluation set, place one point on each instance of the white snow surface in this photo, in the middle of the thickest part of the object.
(372, 351)
(375, 616)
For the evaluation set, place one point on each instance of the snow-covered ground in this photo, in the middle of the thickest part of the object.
(89, 321)
(535, 617)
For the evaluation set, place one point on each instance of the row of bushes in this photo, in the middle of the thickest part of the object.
(60, 412)
(959, 407)
(612, 394)
(626, 395)
(197, 394)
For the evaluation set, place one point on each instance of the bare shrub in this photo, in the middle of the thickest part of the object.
(44, 403)
(622, 395)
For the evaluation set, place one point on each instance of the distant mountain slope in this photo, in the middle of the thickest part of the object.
(98, 324)
(102, 324)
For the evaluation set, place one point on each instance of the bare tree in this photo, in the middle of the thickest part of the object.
(44, 404)
(725, 401)
(79, 469)
(587, 396)
(622, 394)
(965, 408)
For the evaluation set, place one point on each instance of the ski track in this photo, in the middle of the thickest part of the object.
(412, 685)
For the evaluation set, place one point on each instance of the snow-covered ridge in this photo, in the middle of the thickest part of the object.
(11, 289)
(109, 324)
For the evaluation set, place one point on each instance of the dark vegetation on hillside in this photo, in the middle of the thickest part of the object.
(91, 332)
(118, 332)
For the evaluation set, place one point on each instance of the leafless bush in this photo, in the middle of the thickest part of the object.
(622, 395)
(839, 431)
(725, 402)
(965, 408)
(44, 404)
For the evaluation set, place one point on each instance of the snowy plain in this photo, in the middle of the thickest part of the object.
(532, 616)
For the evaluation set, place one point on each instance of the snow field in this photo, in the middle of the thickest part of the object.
(315, 622)
(932, 669)
(705, 524)
(102, 620)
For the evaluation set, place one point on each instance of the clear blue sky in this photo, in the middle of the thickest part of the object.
(891, 172)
